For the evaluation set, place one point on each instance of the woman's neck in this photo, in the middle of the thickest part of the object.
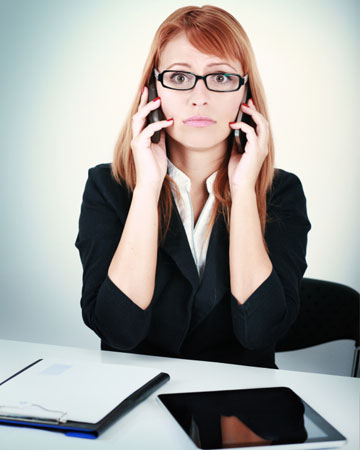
(197, 163)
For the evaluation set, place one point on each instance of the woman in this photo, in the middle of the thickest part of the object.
(191, 248)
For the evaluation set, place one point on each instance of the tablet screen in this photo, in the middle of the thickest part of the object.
(250, 418)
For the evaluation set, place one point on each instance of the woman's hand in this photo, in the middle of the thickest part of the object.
(243, 169)
(150, 159)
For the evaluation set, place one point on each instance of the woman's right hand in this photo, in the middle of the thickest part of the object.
(150, 159)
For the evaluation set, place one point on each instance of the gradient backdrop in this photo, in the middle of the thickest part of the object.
(69, 71)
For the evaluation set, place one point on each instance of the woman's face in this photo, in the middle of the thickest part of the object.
(221, 107)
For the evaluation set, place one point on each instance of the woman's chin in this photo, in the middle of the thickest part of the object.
(197, 139)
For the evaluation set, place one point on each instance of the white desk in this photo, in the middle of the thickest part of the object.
(148, 426)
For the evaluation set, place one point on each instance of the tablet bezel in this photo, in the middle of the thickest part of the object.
(333, 438)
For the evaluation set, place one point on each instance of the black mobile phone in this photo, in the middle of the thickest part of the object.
(239, 135)
(157, 114)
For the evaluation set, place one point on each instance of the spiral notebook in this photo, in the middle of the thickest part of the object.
(80, 399)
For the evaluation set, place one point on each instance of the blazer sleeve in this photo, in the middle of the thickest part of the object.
(272, 308)
(113, 316)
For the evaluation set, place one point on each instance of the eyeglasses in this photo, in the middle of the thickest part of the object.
(184, 81)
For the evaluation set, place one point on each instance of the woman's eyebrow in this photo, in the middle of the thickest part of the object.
(208, 65)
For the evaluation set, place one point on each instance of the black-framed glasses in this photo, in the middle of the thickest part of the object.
(184, 81)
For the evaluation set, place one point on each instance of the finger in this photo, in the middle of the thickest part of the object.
(249, 131)
(156, 126)
(246, 128)
(258, 118)
(162, 138)
(251, 103)
(143, 98)
(148, 107)
(139, 119)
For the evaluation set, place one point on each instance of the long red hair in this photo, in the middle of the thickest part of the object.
(211, 30)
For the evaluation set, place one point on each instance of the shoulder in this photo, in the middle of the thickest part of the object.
(101, 187)
(286, 188)
(103, 177)
(286, 201)
(101, 173)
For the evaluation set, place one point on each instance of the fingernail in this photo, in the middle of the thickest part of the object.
(156, 99)
(169, 120)
(230, 123)
(252, 101)
(143, 89)
(244, 104)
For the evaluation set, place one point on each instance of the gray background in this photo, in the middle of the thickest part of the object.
(69, 71)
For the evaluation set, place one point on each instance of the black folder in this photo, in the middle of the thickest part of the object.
(82, 429)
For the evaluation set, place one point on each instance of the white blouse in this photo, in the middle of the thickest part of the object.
(198, 242)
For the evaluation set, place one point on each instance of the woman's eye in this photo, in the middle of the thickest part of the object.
(222, 78)
(179, 77)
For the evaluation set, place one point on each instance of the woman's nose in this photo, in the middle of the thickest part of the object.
(199, 94)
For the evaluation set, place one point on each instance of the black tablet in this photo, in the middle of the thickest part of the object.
(246, 418)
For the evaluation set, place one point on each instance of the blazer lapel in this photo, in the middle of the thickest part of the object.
(176, 245)
(216, 279)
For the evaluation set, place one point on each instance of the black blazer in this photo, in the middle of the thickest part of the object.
(189, 318)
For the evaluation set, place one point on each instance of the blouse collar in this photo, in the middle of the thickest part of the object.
(183, 181)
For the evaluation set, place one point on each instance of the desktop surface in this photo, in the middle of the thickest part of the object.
(149, 426)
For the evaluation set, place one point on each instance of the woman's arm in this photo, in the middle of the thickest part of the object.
(118, 241)
(264, 289)
(250, 264)
(133, 265)
(106, 309)
(272, 307)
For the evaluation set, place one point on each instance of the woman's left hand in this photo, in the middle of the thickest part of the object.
(243, 169)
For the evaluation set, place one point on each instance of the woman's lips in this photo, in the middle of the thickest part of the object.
(198, 121)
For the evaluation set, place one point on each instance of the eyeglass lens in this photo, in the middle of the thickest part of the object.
(216, 81)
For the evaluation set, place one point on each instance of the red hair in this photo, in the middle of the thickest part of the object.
(211, 30)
